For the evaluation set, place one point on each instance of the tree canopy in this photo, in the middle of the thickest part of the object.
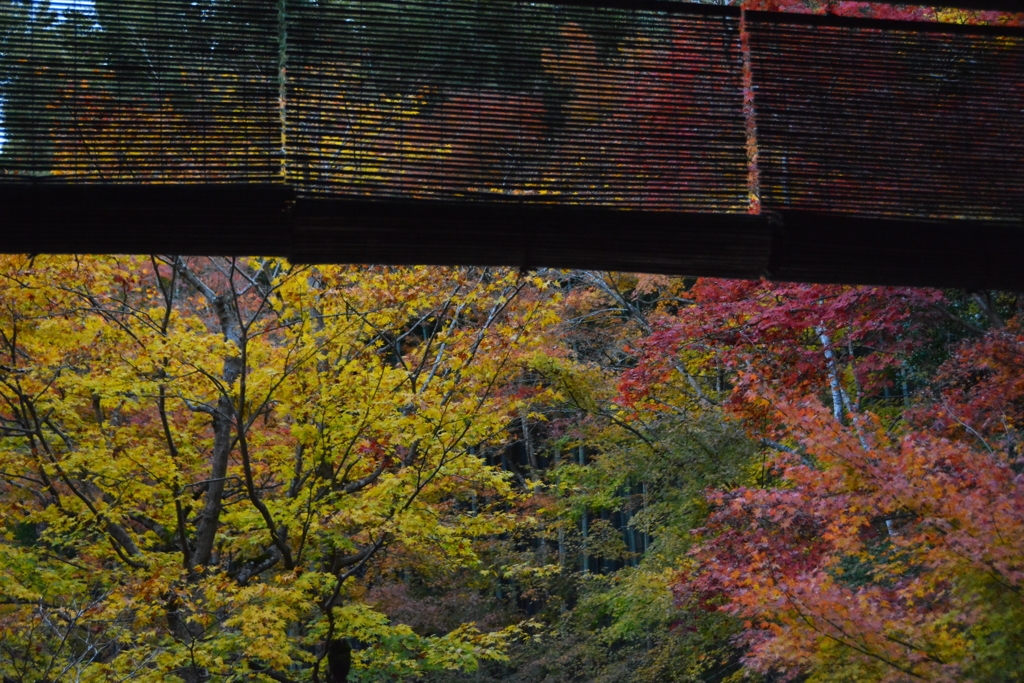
(207, 458)
(241, 469)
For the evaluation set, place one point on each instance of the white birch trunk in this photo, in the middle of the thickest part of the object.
(833, 373)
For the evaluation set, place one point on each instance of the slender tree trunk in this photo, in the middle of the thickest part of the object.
(584, 522)
(833, 373)
(339, 660)
(627, 517)
(646, 533)
(223, 415)
(558, 494)
(984, 301)
(206, 531)
(531, 456)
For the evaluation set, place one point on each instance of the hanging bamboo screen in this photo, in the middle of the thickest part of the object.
(885, 118)
(635, 104)
(566, 104)
(137, 91)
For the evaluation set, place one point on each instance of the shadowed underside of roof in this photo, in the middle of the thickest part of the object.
(653, 136)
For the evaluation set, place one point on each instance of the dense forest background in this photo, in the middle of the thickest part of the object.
(241, 469)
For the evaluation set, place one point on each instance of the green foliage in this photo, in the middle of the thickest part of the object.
(998, 634)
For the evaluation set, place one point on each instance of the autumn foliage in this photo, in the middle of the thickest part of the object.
(216, 468)
(887, 556)
(875, 543)
(207, 461)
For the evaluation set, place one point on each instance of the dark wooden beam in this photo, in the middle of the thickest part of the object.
(144, 219)
(970, 254)
(271, 220)
(529, 236)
